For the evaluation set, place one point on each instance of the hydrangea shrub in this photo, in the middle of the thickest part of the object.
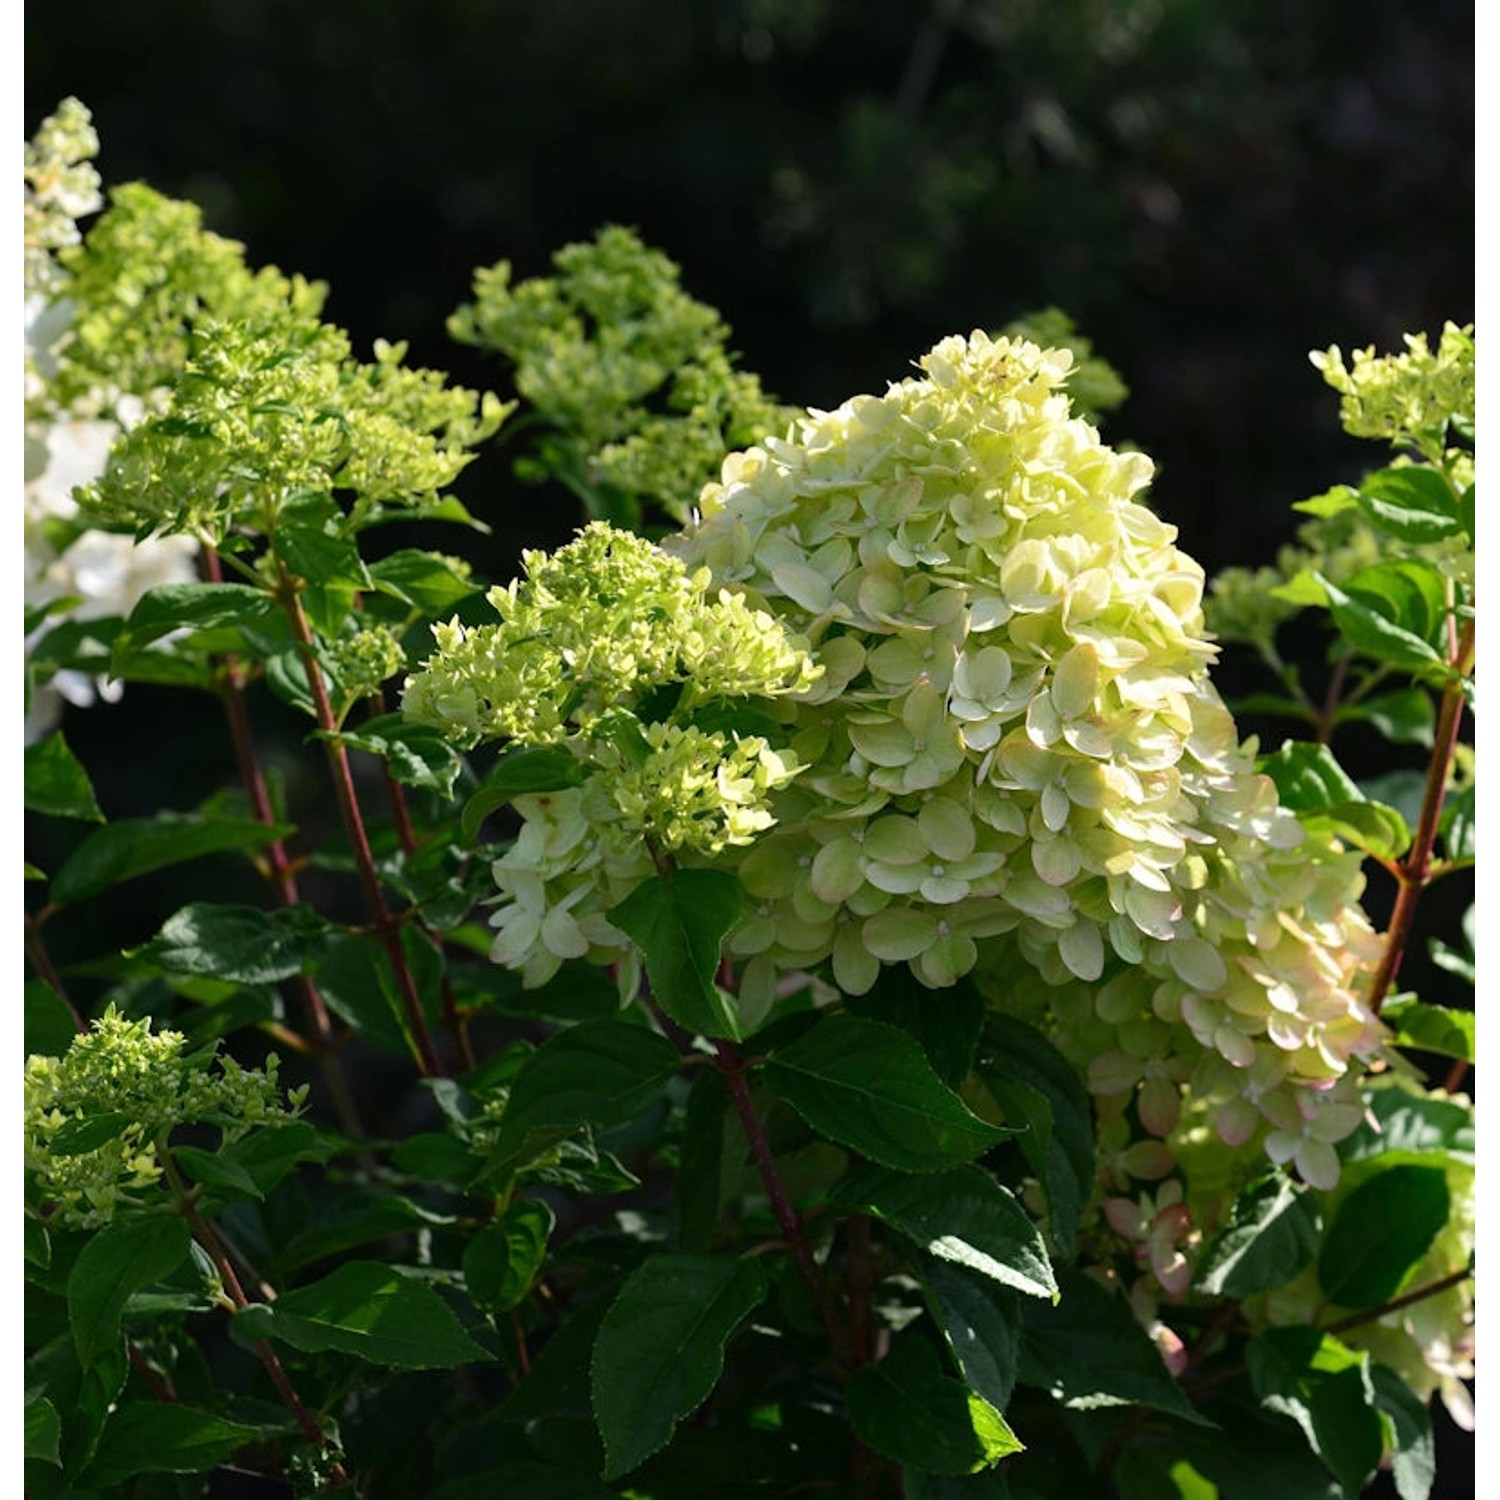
(823, 1000)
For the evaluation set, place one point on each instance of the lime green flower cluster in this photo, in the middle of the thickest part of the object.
(270, 408)
(363, 661)
(585, 639)
(98, 1118)
(1015, 739)
(611, 335)
(1406, 399)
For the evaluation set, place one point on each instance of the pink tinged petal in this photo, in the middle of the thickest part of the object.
(1113, 1073)
(1174, 1353)
(1237, 1122)
(1159, 1106)
(1126, 1218)
(1282, 1145)
(1318, 1163)
(1233, 1045)
(1082, 950)
(899, 933)
(1287, 1033)
(1171, 1269)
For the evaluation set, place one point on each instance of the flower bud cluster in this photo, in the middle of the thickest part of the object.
(1015, 739)
(123, 1077)
(632, 372)
(361, 662)
(611, 649)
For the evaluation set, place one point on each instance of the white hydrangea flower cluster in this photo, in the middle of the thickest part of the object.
(590, 634)
(83, 572)
(1015, 737)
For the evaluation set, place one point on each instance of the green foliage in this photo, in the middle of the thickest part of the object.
(874, 1027)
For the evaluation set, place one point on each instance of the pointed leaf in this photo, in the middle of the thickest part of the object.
(1272, 1234)
(120, 1259)
(55, 782)
(679, 922)
(908, 1409)
(162, 1437)
(1412, 503)
(503, 1260)
(660, 1348)
(869, 1086)
(1382, 1229)
(1414, 1461)
(185, 606)
(981, 1323)
(241, 943)
(415, 754)
(534, 768)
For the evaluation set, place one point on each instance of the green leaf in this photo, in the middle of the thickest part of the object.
(988, 1484)
(357, 981)
(1088, 1351)
(222, 1174)
(1391, 612)
(320, 556)
(536, 768)
(1431, 1028)
(88, 1132)
(56, 783)
(241, 943)
(700, 1163)
(185, 606)
(1382, 1229)
(47, 1023)
(660, 1348)
(869, 1086)
(1372, 826)
(162, 1437)
(368, 1310)
(1037, 1088)
(286, 676)
(981, 1323)
(600, 1073)
(1308, 778)
(1271, 1235)
(1326, 1389)
(121, 1258)
(1404, 716)
(1457, 826)
(415, 754)
(266, 1156)
(356, 1218)
(1413, 1128)
(1332, 502)
(427, 580)
(946, 1022)
(962, 1215)
(43, 1430)
(1411, 503)
(135, 846)
(504, 1259)
(679, 921)
(907, 1408)
(1466, 511)
(1414, 1459)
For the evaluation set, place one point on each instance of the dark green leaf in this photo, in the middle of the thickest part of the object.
(962, 1215)
(700, 1165)
(241, 943)
(427, 580)
(1382, 1229)
(504, 1259)
(43, 1430)
(321, 557)
(1414, 1463)
(266, 1156)
(661, 1347)
(357, 1218)
(907, 1408)
(946, 1022)
(988, 1484)
(1391, 612)
(36, 1246)
(1088, 1351)
(1466, 511)
(1326, 1389)
(185, 606)
(286, 676)
(434, 1157)
(535, 768)
(1431, 1028)
(135, 846)
(678, 921)
(370, 1311)
(48, 1023)
(1038, 1088)
(56, 783)
(1412, 1128)
(600, 1073)
(869, 1086)
(1271, 1235)
(982, 1325)
(162, 1437)
(415, 754)
(222, 1174)
(357, 981)
(88, 1132)
(523, 1479)
(1412, 503)
(122, 1257)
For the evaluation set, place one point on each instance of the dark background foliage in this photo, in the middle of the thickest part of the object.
(1209, 187)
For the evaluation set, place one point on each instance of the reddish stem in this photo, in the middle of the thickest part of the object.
(354, 827)
(36, 951)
